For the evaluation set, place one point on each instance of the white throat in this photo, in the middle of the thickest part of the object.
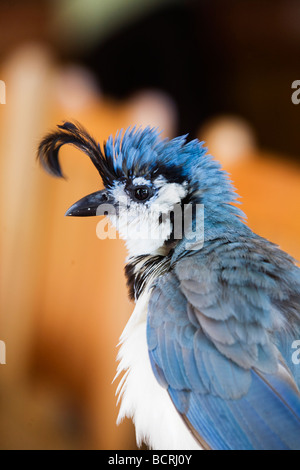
(140, 224)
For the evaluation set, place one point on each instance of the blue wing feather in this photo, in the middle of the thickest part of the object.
(213, 348)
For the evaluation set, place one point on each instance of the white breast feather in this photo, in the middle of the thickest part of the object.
(156, 420)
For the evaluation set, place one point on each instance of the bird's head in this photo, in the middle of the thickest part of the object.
(145, 180)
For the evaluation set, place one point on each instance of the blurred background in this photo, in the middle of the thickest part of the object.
(220, 70)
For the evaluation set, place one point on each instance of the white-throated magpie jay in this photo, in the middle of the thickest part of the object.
(207, 353)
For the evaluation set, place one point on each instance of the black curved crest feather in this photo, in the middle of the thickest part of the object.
(76, 135)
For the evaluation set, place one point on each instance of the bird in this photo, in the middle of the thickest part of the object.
(206, 358)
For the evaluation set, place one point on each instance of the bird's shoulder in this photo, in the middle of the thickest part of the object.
(227, 299)
(241, 270)
(212, 322)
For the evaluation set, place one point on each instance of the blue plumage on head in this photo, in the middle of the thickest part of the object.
(142, 152)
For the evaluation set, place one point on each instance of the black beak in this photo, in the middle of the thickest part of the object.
(90, 205)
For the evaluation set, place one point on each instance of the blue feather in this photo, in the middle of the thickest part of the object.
(221, 364)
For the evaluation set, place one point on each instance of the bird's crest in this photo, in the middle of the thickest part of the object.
(141, 152)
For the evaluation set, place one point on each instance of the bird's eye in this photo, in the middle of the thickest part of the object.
(142, 193)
